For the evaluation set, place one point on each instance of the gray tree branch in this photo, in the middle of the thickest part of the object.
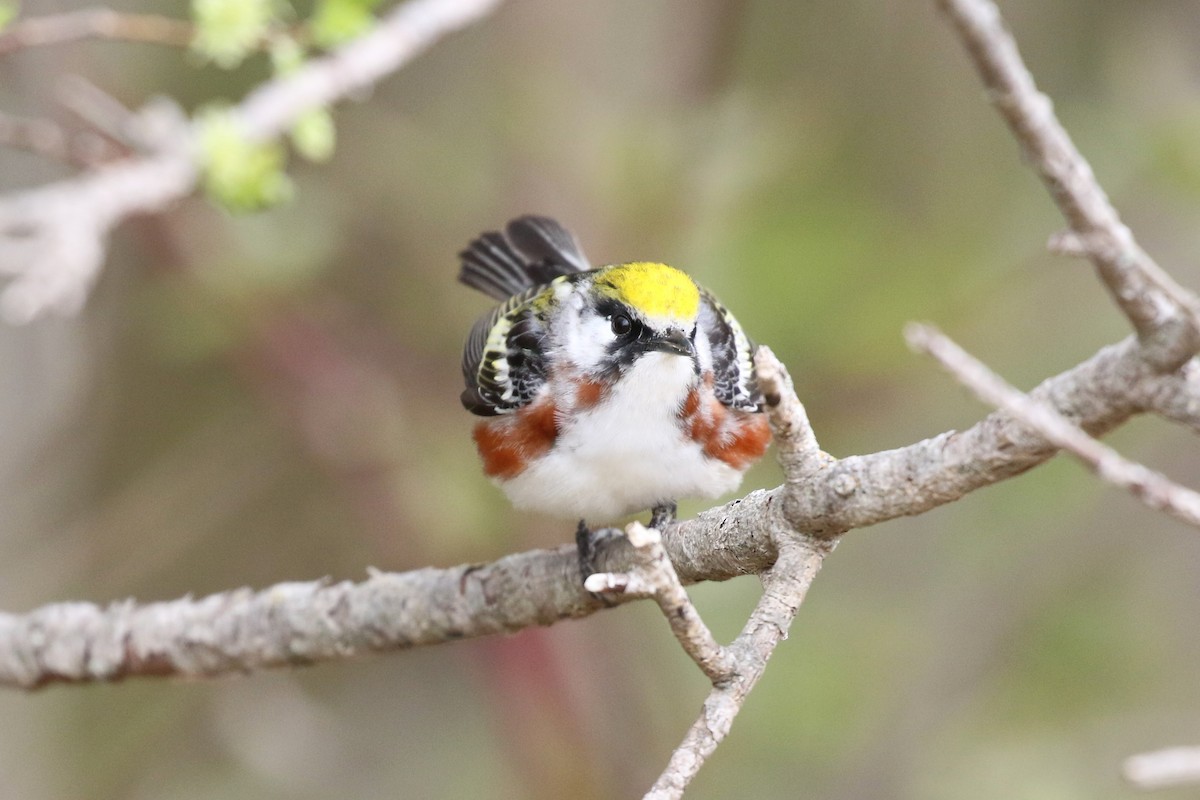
(653, 576)
(53, 239)
(50, 140)
(1174, 396)
(542, 586)
(1152, 488)
(99, 23)
(1165, 315)
(292, 623)
(784, 586)
(1098, 395)
(1162, 769)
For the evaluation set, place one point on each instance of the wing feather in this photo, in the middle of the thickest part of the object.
(503, 360)
(735, 382)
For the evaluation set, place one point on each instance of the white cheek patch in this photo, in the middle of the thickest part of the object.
(704, 357)
(593, 336)
(570, 298)
(582, 337)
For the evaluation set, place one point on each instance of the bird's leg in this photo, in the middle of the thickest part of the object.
(586, 541)
(662, 515)
(586, 544)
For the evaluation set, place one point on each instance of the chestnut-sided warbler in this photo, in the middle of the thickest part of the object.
(603, 391)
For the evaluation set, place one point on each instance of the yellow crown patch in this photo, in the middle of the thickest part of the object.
(656, 290)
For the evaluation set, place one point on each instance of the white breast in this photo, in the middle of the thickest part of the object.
(626, 454)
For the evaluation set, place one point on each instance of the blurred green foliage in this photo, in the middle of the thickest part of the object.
(314, 136)
(8, 12)
(229, 30)
(240, 174)
(246, 176)
(335, 22)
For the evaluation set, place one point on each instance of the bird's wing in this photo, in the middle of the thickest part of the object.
(532, 251)
(735, 382)
(503, 360)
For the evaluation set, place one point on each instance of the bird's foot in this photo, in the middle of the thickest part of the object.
(663, 515)
(586, 541)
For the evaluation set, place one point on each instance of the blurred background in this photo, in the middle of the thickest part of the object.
(247, 400)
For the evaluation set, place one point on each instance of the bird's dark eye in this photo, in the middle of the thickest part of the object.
(621, 324)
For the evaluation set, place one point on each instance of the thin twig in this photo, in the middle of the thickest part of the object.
(784, 586)
(106, 114)
(95, 23)
(799, 455)
(784, 589)
(53, 239)
(1152, 488)
(1149, 296)
(1161, 769)
(50, 140)
(398, 38)
(652, 575)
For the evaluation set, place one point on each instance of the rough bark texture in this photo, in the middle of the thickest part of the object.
(245, 630)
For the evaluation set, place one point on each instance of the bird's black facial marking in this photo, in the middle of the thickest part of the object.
(633, 339)
(623, 322)
(628, 333)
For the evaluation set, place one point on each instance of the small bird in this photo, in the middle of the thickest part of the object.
(606, 391)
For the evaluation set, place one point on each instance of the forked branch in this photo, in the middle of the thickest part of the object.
(784, 588)
(53, 239)
(651, 575)
(1148, 486)
(784, 585)
(1165, 315)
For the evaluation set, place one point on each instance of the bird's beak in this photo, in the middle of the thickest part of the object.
(676, 342)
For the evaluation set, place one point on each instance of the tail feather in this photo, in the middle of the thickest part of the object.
(532, 251)
(542, 239)
(491, 265)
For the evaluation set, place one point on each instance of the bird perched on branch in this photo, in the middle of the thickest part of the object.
(607, 391)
